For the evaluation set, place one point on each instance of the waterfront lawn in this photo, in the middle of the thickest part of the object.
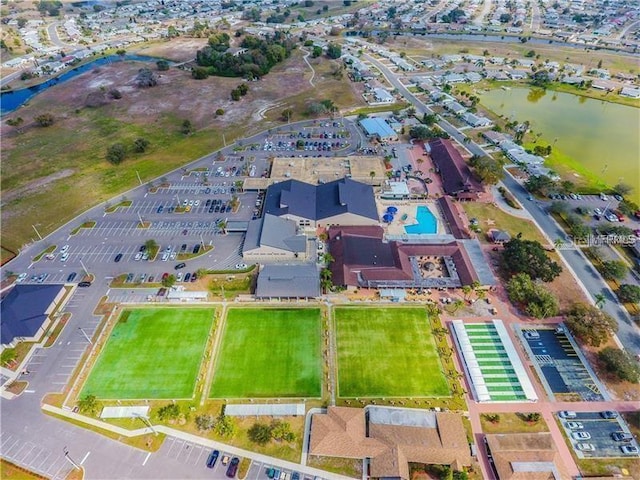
(269, 353)
(152, 353)
(387, 352)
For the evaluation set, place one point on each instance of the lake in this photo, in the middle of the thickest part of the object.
(12, 99)
(602, 136)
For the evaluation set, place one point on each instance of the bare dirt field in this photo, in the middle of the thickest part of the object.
(76, 143)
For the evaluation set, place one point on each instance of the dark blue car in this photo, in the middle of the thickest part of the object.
(213, 458)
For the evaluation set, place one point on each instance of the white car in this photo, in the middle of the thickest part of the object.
(603, 197)
(241, 266)
(21, 277)
(597, 211)
(567, 414)
(585, 447)
(196, 203)
(165, 257)
(179, 277)
(581, 435)
(64, 249)
(574, 425)
(138, 256)
(64, 256)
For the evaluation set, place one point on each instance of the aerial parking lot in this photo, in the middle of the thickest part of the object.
(594, 436)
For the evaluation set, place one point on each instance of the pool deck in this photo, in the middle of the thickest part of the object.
(410, 209)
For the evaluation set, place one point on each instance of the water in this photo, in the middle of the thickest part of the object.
(427, 222)
(11, 100)
(601, 136)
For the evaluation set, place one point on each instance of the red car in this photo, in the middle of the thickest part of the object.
(165, 275)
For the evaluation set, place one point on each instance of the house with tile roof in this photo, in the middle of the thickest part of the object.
(457, 178)
(390, 438)
(525, 456)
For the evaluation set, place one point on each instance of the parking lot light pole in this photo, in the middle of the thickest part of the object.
(37, 233)
(138, 175)
(86, 272)
(147, 422)
(65, 450)
(140, 218)
(85, 335)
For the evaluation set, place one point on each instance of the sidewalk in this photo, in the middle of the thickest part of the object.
(205, 442)
(501, 203)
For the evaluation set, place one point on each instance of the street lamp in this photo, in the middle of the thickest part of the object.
(85, 335)
(65, 450)
(147, 422)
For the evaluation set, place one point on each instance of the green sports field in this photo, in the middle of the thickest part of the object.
(269, 353)
(387, 352)
(152, 353)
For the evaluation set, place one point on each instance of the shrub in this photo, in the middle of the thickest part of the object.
(629, 293)
(219, 112)
(260, 433)
(140, 145)
(620, 364)
(116, 153)
(170, 411)
(45, 120)
(491, 417)
(590, 324)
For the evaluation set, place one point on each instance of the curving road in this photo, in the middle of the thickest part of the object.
(584, 273)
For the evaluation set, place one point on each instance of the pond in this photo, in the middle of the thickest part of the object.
(12, 99)
(601, 136)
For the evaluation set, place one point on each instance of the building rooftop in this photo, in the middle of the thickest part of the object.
(288, 281)
(377, 126)
(24, 310)
(318, 202)
(455, 173)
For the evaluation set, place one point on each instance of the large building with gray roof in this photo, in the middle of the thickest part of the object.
(273, 239)
(288, 281)
(341, 202)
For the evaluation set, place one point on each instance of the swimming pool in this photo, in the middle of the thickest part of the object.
(427, 222)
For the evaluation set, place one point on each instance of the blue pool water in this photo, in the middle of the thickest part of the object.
(427, 222)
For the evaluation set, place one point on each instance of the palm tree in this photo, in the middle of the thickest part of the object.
(325, 279)
(327, 258)
(466, 290)
(558, 242)
(372, 174)
(600, 299)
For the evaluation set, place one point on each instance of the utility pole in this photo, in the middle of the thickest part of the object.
(224, 140)
(37, 233)
(85, 335)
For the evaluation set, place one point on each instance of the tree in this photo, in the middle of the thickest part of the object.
(334, 50)
(429, 119)
(187, 127)
(629, 293)
(8, 356)
(325, 279)
(613, 270)
(235, 94)
(282, 431)
(225, 427)
(199, 73)
(540, 184)
(219, 112)
(622, 189)
(286, 115)
(530, 54)
(532, 417)
(45, 120)
(260, 433)
(600, 299)
(488, 170)
(620, 364)
(150, 245)
(169, 412)
(528, 256)
(146, 78)
(590, 324)
(15, 122)
(140, 145)
(316, 51)
(162, 65)
(205, 422)
(116, 153)
(505, 18)
(169, 281)
(531, 296)
(420, 132)
(88, 404)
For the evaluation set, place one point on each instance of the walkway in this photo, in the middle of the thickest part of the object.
(501, 203)
(313, 72)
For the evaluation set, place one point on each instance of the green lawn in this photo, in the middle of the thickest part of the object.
(269, 353)
(387, 352)
(152, 353)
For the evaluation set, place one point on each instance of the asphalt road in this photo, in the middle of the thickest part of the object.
(37, 441)
(584, 272)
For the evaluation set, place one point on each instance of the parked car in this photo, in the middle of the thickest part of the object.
(629, 449)
(622, 436)
(567, 414)
(71, 276)
(225, 459)
(64, 256)
(608, 414)
(84, 284)
(21, 277)
(180, 265)
(213, 458)
(581, 435)
(187, 277)
(574, 425)
(118, 258)
(162, 292)
(241, 266)
(585, 447)
(194, 277)
(233, 467)
(64, 249)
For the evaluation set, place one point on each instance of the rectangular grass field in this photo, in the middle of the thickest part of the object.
(152, 353)
(387, 352)
(269, 353)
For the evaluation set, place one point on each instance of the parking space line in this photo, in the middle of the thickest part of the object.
(4, 441)
(39, 465)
